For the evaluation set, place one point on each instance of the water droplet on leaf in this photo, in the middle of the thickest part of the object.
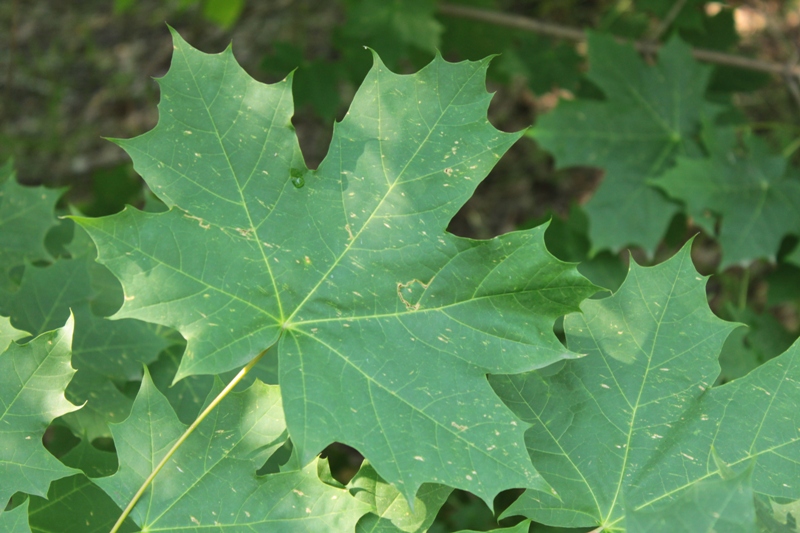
(297, 177)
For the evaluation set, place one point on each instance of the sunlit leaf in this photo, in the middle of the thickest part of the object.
(346, 272)
(33, 377)
(211, 480)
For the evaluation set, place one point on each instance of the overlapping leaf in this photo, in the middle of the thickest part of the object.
(720, 504)
(75, 503)
(211, 480)
(390, 511)
(393, 28)
(754, 194)
(635, 424)
(104, 352)
(9, 333)
(522, 527)
(384, 325)
(26, 215)
(650, 115)
(33, 377)
(15, 520)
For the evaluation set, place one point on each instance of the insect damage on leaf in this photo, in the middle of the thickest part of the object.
(242, 263)
(410, 293)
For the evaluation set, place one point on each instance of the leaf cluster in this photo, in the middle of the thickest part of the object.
(186, 366)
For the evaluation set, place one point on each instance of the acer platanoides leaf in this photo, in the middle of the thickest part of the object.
(635, 423)
(384, 325)
(26, 215)
(211, 480)
(650, 115)
(33, 377)
(754, 194)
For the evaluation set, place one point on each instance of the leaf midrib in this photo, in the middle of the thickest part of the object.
(239, 189)
(386, 195)
(636, 406)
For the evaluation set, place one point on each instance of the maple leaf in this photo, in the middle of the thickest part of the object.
(393, 28)
(635, 423)
(384, 325)
(75, 503)
(26, 215)
(33, 377)
(390, 512)
(211, 480)
(754, 194)
(650, 115)
(724, 503)
(9, 333)
(15, 520)
(104, 352)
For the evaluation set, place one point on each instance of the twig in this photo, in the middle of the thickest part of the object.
(512, 21)
(575, 34)
(667, 21)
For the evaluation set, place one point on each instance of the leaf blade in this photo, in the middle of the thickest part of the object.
(34, 377)
(352, 272)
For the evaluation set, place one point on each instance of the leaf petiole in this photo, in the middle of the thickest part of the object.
(228, 388)
(744, 288)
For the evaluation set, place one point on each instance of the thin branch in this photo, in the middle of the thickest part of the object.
(575, 34)
(228, 388)
(664, 25)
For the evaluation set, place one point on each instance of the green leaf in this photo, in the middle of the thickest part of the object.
(104, 352)
(390, 512)
(635, 423)
(776, 517)
(316, 83)
(188, 395)
(46, 295)
(33, 377)
(211, 480)
(543, 64)
(15, 520)
(757, 200)
(690, 15)
(349, 274)
(75, 503)
(650, 115)
(223, 12)
(522, 527)
(747, 348)
(9, 333)
(721, 503)
(393, 27)
(26, 215)
(470, 39)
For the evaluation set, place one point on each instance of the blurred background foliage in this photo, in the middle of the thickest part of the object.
(74, 72)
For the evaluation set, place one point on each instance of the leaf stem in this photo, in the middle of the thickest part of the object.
(744, 285)
(791, 148)
(229, 387)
